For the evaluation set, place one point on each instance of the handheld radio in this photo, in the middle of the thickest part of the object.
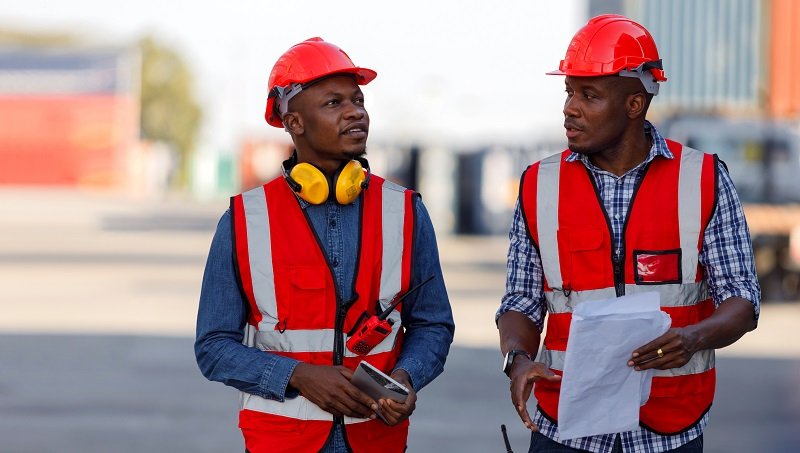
(377, 327)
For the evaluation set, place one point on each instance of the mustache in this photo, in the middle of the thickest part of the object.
(571, 124)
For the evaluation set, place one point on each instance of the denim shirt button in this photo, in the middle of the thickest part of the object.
(336, 262)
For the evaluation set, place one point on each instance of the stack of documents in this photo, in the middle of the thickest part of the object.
(600, 393)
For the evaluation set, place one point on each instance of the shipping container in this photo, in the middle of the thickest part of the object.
(734, 58)
(784, 92)
(70, 117)
(713, 53)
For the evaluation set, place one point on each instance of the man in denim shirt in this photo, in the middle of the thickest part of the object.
(297, 394)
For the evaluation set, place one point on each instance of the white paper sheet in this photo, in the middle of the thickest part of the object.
(600, 393)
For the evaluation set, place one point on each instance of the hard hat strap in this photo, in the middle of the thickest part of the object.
(642, 72)
(283, 95)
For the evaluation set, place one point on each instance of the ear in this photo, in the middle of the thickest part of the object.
(635, 104)
(293, 123)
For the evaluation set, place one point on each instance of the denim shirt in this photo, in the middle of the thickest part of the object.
(222, 314)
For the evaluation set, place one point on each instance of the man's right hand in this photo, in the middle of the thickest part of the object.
(329, 388)
(524, 373)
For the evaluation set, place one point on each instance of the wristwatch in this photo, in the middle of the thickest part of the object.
(509, 360)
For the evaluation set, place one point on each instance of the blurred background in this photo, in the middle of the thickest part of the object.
(125, 127)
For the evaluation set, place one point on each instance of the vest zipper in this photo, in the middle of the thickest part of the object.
(618, 255)
(338, 342)
(338, 351)
(619, 259)
(341, 313)
(619, 274)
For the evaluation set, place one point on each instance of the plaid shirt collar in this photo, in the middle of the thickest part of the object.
(659, 148)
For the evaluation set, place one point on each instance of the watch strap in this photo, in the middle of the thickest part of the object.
(510, 359)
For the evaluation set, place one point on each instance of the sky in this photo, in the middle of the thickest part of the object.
(456, 73)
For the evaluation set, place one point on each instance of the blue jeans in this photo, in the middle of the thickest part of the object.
(543, 444)
(336, 443)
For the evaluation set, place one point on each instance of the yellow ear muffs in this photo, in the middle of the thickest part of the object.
(349, 182)
(313, 183)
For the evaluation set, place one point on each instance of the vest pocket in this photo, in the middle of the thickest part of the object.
(588, 258)
(311, 303)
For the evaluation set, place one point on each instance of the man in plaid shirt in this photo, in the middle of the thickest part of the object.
(625, 211)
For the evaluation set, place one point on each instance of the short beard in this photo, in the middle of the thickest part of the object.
(597, 147)
(583, 150)
(350, 155)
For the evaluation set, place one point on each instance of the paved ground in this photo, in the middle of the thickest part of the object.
(98, 296)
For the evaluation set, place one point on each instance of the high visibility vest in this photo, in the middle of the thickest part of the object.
(663, 234)
(294, 310)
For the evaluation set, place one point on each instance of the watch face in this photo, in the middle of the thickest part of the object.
(507, 362)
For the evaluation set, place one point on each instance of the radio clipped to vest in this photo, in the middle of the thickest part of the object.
(368, 334)
(313, 186)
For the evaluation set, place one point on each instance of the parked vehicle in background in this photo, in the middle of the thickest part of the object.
(763, 159)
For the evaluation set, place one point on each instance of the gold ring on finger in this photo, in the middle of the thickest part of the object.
(660, 353)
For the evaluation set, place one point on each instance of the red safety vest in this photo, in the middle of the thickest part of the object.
(663, 235)
(293, 307)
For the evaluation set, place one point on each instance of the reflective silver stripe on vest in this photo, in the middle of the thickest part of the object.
(393, 214)
(547, 188)
(701, 361)
(249, 335)
(260, 251)
(689, 218)
(557, 302)
(675, 295)
(298, 408)
(318, 340)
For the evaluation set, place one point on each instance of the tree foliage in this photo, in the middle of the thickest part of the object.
(169, 110)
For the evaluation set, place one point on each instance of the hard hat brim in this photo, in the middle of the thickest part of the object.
(363, 76)
(574, 73)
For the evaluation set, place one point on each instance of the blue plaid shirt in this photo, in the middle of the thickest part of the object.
(727, 255)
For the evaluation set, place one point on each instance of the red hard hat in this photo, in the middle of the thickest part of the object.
(308, 61)
(610, 44)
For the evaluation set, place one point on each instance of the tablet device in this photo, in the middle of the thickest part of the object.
(378, 384)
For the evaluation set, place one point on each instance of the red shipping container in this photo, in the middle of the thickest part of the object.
(66, 140)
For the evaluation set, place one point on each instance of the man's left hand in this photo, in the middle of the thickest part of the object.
(674, 349)
(393, 411)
